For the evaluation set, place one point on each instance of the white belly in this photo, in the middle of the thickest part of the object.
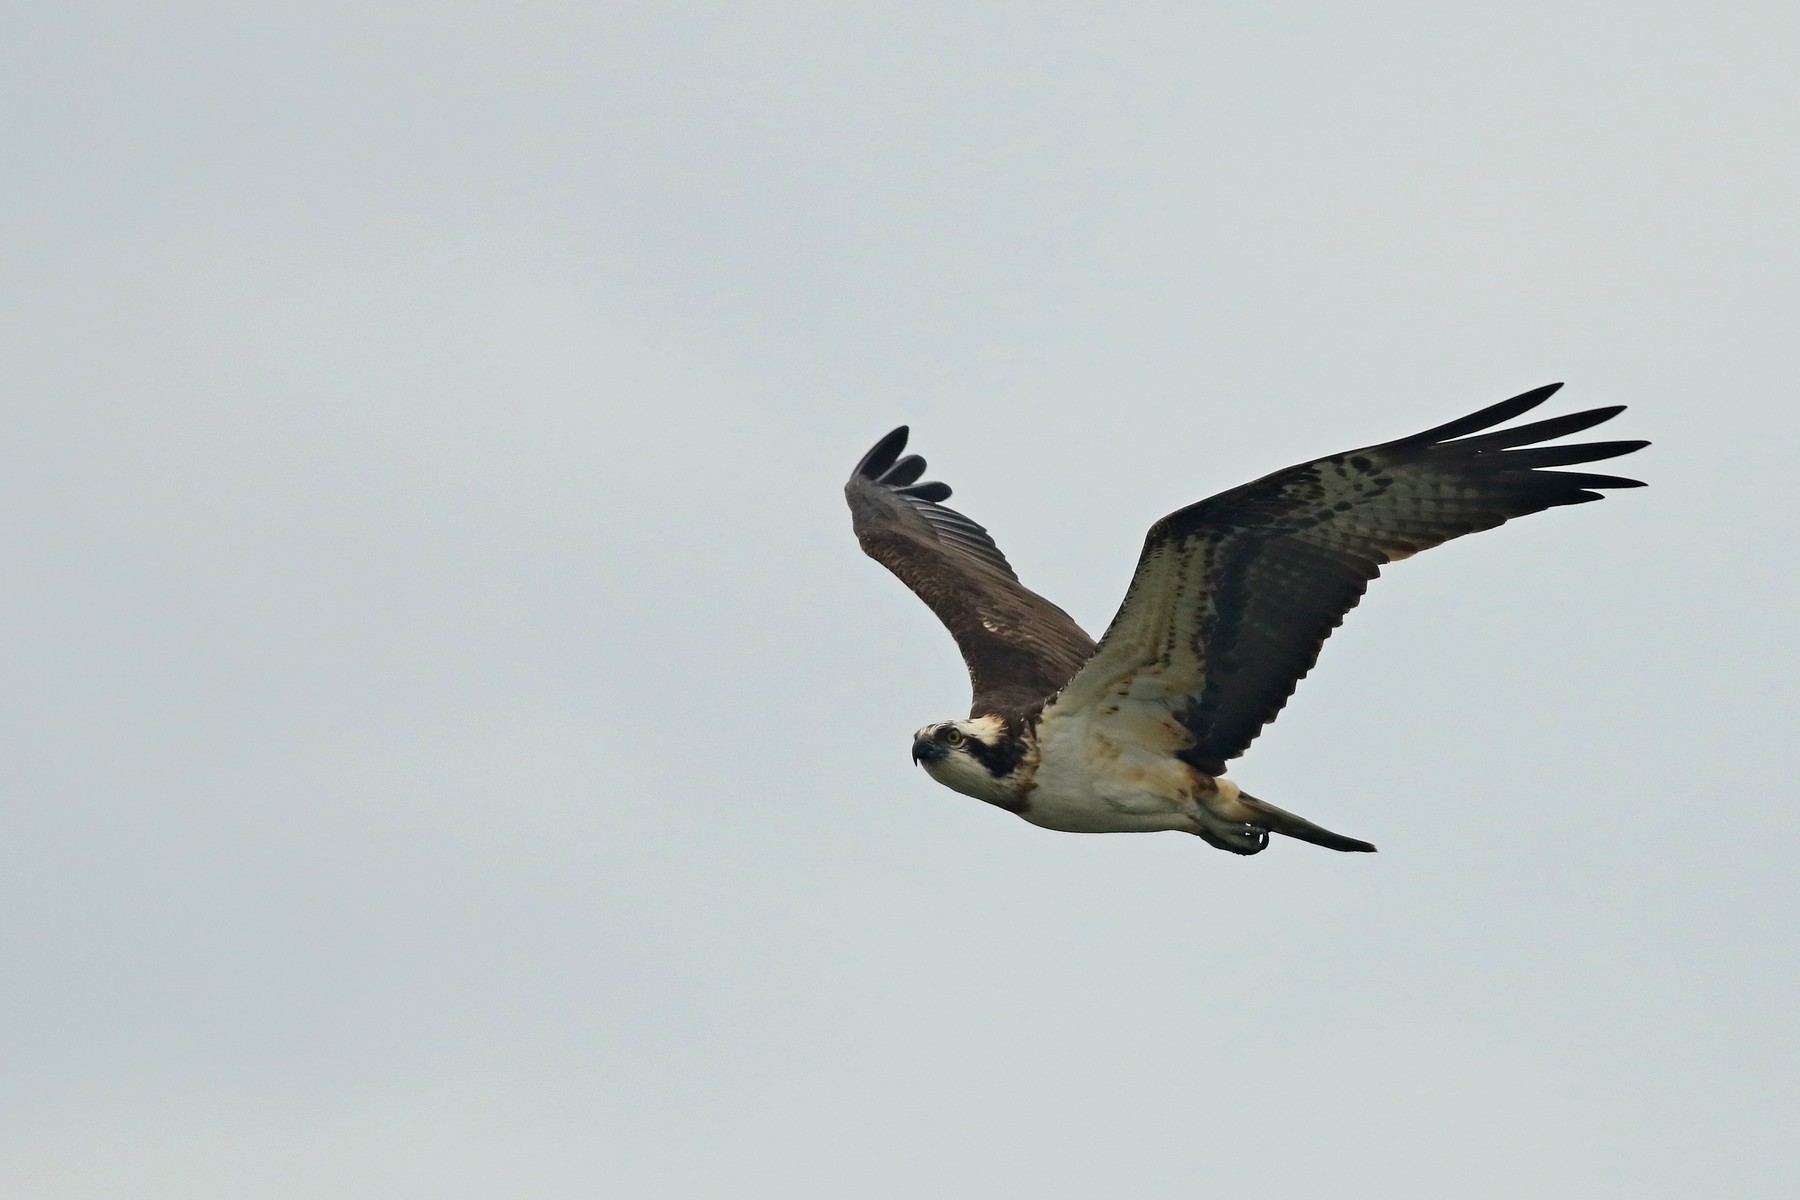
(1088, 783)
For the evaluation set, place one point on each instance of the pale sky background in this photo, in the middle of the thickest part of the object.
(454, 747)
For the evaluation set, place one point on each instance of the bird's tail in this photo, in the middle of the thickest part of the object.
(1278, 820)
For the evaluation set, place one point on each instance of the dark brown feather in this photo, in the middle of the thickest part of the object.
(1020, 648)
(1234, 596)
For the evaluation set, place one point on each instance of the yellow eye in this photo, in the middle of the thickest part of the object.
(951, 737)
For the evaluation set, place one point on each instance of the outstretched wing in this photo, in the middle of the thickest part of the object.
(1233, 597)
(1019, 647)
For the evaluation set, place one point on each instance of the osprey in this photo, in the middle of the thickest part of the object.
(1230, 603)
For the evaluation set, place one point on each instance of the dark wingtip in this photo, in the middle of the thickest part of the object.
(883, 454)
(1537, 395)
(933, 493)
(906, 471)
(1493, 414)
(884, 466)
(1582, 479)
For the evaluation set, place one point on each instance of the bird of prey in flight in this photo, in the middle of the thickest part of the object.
(1230, 603)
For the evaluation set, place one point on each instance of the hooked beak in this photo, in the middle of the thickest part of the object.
(927, 750)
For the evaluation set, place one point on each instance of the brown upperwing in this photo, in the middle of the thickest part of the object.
(1020, 648)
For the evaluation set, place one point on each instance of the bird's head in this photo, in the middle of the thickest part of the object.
(978, 756)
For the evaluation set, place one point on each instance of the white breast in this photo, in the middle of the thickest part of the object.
(1092, 779)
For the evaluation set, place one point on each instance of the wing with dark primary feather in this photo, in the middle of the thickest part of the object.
(1019, 647)
(1233, 597)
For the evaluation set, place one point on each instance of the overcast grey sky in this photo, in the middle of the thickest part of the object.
(454, 747)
